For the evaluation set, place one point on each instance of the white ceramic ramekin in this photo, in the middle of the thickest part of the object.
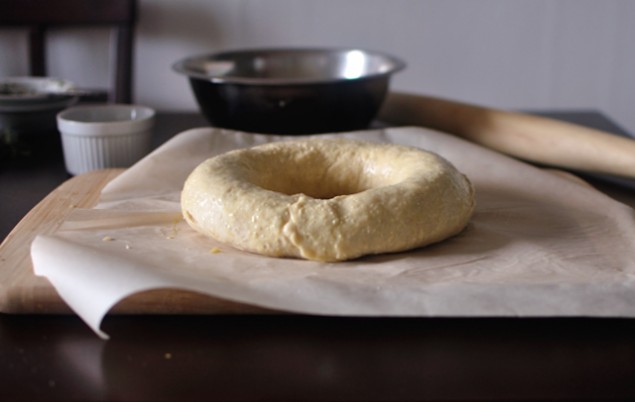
(104, 136)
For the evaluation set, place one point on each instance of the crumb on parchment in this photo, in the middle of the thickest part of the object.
(109, 238)
(174, 229)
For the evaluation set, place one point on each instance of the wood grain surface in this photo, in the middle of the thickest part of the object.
(22, 292)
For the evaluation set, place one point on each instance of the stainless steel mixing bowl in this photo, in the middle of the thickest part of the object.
(290, 91)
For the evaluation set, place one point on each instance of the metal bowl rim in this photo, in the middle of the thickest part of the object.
(43, 89)
(179, 67)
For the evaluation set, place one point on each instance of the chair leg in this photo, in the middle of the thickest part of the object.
(124, 64)
(37, 51)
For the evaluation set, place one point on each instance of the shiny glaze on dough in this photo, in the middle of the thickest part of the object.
(327, 199)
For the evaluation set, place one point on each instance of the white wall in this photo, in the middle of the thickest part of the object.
(538, 54)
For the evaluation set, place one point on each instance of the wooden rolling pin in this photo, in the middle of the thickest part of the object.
(532, 138)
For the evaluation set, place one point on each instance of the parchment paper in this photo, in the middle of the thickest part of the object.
(538, 245)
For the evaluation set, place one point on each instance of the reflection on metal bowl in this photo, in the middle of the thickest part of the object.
(290, 91)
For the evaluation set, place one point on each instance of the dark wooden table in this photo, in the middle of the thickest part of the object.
(290, 357)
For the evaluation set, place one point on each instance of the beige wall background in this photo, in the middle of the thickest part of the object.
(513, 54)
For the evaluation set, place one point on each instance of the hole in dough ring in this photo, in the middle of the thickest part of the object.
(327, 199)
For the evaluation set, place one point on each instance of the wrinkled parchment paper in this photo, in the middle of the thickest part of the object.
(538, 245)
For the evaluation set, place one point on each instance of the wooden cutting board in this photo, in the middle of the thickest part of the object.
(22, 292)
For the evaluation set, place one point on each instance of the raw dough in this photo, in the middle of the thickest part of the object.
(327, 199)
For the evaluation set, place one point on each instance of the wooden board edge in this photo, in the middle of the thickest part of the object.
(22, 291)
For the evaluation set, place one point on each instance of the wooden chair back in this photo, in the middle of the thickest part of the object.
(40, 16)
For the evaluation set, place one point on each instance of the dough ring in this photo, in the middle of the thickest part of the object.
(327, 199)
